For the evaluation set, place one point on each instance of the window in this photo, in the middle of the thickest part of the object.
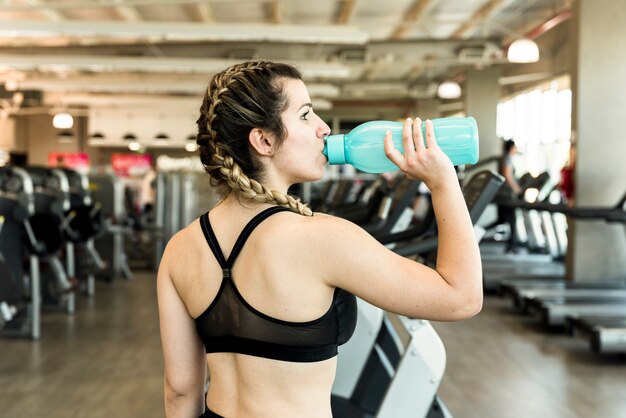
(539, 120)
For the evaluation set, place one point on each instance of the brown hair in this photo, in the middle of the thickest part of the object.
(243, 97)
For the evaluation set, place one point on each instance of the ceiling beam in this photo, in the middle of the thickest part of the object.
(273, 12)
(127, 12)
(43, 8)
(346, 12)
(415, 12)
(111, 64)
(477, 18)
(226, 32)
(7, 6)
(144, 84)
(205, 12)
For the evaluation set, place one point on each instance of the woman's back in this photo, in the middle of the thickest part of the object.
(264, 290)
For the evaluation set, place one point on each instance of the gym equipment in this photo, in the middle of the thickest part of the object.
(85, 223)
(108, 190)
(478, 193)
(46, 234)
(592, 309)
(369, 381)
(401, 375)
(20, 293)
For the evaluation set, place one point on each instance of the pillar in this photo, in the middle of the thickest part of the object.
(482, 93)
(596, 251)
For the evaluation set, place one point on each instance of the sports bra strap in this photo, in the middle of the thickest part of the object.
(254, 222)
(209, 234)
(211, 239)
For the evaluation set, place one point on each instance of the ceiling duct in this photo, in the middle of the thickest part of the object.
(479, 54)
(353, 56)
(424, 91)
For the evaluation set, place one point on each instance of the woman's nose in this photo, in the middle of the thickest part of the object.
(324, 130)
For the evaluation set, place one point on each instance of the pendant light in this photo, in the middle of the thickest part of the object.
(523, 50)
(161, 136)
(449, 90)
(63, 120)
(191, 145)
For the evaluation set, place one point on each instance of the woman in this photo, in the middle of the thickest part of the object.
(267, 320)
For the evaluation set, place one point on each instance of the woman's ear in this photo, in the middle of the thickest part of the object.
(261, 142)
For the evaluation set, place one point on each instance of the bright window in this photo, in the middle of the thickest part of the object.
(539, 121)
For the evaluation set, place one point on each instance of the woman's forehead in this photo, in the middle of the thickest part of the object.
(296, 92)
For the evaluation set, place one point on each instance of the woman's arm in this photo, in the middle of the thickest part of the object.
(356, 262)
(183, 352)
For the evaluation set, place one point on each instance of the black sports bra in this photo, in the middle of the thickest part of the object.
(231, 325)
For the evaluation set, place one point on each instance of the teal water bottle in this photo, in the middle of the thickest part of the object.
(364, 147)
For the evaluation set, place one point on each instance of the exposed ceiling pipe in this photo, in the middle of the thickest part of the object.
(549, 24)
(543, 27)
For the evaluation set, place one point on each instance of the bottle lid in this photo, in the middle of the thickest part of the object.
(334, 149)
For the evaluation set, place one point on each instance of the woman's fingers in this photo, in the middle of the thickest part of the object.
(407, 140)
(417, 133)
(392, 153)
(430, 134)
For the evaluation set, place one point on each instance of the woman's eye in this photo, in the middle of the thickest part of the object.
(305, 115)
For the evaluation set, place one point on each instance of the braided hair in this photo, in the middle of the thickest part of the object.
(243, 97)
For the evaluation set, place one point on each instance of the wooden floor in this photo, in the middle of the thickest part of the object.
(106, 362)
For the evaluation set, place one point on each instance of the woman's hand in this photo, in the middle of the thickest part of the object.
(421, 161)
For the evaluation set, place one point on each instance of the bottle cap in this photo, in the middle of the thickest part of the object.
(334, 149)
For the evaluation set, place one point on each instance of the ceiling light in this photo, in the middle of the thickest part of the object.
(191, 147)
(134, 146)
(129, 137)
(449, 90)
(523, 50)
(63, 120)
(11, 85)
(162, 137)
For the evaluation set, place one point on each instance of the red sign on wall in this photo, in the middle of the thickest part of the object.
(131, 165)
(78, 161)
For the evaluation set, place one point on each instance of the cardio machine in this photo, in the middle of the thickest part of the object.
(20, 289)
(393, 365)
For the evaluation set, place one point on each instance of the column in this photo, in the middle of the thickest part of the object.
(482, 93)
(596, 251)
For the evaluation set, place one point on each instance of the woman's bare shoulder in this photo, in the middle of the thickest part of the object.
(184, 245)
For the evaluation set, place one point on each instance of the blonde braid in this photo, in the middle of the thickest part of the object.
(229, 170)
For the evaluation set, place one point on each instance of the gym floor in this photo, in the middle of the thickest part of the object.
(106, 362)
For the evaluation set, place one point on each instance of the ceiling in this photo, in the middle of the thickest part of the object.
(86, 50)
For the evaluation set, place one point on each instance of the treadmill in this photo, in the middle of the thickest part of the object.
(478, 193)
(606, 334)
(543, 259)
(578, 299)
(606, 331)
(608, 214)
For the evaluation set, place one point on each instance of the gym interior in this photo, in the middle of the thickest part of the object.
(99, 169)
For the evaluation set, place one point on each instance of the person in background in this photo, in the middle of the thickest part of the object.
(147, 194)
(511, 189)
(261, 289)
(566, 184)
